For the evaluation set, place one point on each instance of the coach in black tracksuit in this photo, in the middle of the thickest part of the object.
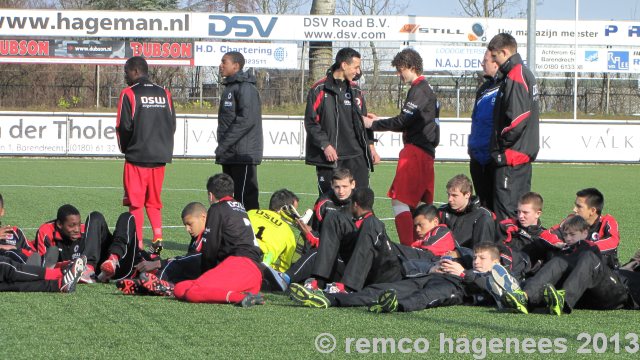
(336, 137)
(515, 140)
(239, 134)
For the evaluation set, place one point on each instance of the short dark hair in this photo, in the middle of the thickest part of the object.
(462, 183)
(574, 223)
(429, 211)
(193, 208)
(593, 198)
(65, 211)
(236, 58)
(489, 247)
(503, 41)
(532, 198)
(346, 55)
(408, 58)
(281, 198)
(364, 197)
(220, 185)
(139, 63)
(342, 174)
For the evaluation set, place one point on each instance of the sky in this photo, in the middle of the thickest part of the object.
(546, 9)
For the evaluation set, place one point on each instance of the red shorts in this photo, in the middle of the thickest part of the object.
(414, 177)
(223, 284)
(142, 186)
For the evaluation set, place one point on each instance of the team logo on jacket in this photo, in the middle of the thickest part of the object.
(595, 236)
(153, 100)
(228, 102)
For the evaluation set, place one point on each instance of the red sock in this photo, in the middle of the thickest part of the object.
(138, 214)
(52, 274)
(404, 227)
(155, 218)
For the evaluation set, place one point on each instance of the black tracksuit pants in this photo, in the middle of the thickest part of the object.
(483, 182)
(15, 276)
(182, 268)
(245, 184)
(510, 183)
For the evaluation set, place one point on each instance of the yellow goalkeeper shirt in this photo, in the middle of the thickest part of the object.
(275, 238)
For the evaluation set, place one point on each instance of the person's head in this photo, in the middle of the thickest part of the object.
(589, 204)
(231, 63)
(529, 209)
(574, 229)
(459, 190)
(485, 255)
(342, 183)
(425, 218)
(489, 65)
(408, 64)
(68, 222)
(362, 201)
(219, 186)
(347, 64)
(1, 206)
(194, 218)
(283, 197)
(135, 68)
(502, 47)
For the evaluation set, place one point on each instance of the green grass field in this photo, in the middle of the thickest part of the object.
(98, 322)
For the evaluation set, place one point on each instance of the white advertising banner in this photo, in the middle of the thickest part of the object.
(171, 25)
(256, 55)
(284, 137)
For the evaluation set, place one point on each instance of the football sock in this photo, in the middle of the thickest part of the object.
(404, 226)
(155, 218)
(52, 274)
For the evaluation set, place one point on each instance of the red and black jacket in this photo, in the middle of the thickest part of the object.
(17, 239)
(145, 124)
(439, 241)
(48, 235)
(516, 136)
(419, 118)
(227, 233)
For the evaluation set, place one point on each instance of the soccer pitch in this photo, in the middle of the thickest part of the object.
(98, 322)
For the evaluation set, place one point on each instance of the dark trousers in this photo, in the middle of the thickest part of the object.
(301, 269)
(483, 182)
(511, 182)
(245, 184)
(16, 276)
(358, 167)
(182, 268)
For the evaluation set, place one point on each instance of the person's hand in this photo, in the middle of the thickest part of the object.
(5, 231)
(560, 245)
(367, 121)
(147, 266)
(330, 153)
(372, 116)
(374, 155)
(451, 267)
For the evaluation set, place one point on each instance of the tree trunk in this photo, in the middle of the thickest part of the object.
(320, 52)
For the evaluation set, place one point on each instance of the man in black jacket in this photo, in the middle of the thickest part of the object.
(239, 133)
(515, 140)
(336, 136)
(145, 126)
(470, 223)
(420, 127)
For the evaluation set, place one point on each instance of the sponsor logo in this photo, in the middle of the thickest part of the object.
(618, 60)
(280, 54)
(151, 100)
(244, 26)
(591, 55)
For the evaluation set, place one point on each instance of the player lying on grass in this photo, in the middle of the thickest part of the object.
(230, 255)
(108, 255)
(447, 283)
(580, 274)
(603, 229)
(176, 269)
(15, 276)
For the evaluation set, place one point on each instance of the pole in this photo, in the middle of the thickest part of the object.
(531, 35)
(575, 67)
(97, 86)
(302, 73)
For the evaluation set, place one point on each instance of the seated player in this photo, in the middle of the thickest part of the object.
(19, 277)
(108, 255)
(448, 283)
(230, 255)
(584, 281)
(13, 244)
(633, 264)
(470, 223)
(603, 229)
(432, 235)
(176, 269)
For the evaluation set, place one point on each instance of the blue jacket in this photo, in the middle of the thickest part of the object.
(479, 145)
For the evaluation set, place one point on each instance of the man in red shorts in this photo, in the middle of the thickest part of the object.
(420, 127)
(145, 126)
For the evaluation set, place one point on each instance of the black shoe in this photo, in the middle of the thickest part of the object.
(72, 273)
(251, 300)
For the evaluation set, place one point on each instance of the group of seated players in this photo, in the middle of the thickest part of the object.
(342, 255)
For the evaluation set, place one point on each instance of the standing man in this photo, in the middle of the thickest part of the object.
(145, 126)
(420, 127)
(336, 137)
(239, 132)
(515, 139)
(480, 165)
